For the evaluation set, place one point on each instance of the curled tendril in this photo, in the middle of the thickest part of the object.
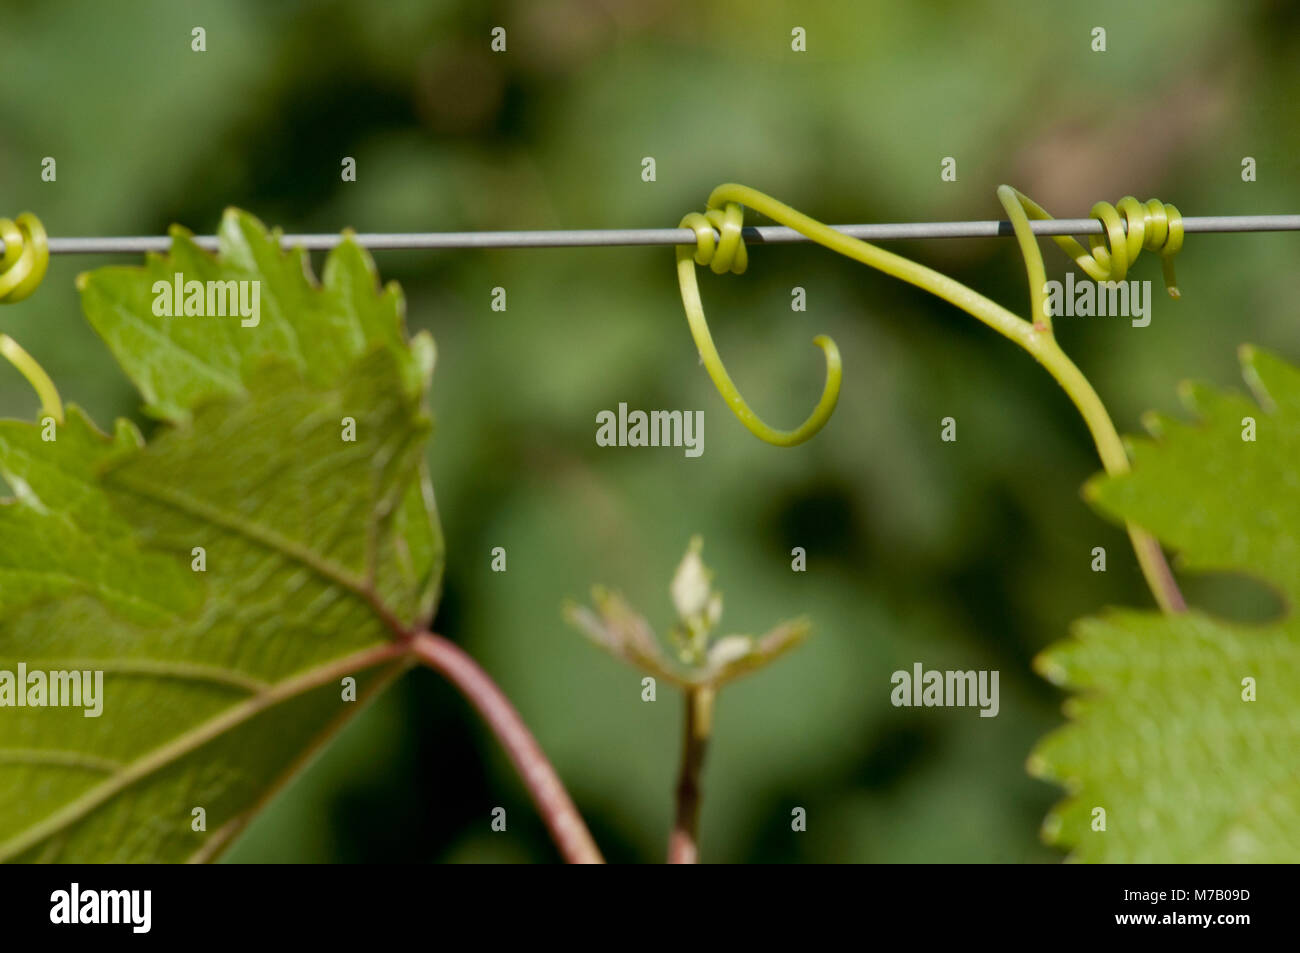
(727, 253)
(27, 255)
(1154, 225)
(23, 265)
(1154, 228)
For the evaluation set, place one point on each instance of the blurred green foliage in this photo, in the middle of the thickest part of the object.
(967, 555)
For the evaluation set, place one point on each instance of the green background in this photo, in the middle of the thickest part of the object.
(973, 554)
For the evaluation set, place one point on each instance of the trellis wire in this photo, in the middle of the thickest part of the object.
(575, 238)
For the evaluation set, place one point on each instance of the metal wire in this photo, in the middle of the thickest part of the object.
(574, 238)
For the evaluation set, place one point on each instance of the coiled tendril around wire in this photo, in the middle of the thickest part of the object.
(1156, 226)
(727, 253)
(23, 265)
(27, 255)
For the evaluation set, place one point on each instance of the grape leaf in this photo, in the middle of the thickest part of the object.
(1162, 736)
(315, 551)
(175, 363)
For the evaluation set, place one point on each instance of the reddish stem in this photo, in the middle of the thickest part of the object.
(683, 842)
(553, 802)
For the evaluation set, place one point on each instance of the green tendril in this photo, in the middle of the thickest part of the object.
(1154, 226)
(51, 404)
(725, 254)
(26, 257)
(22, 267)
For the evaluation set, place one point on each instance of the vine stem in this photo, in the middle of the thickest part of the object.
(1115, 460)
(566, 825)
(683, 841)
